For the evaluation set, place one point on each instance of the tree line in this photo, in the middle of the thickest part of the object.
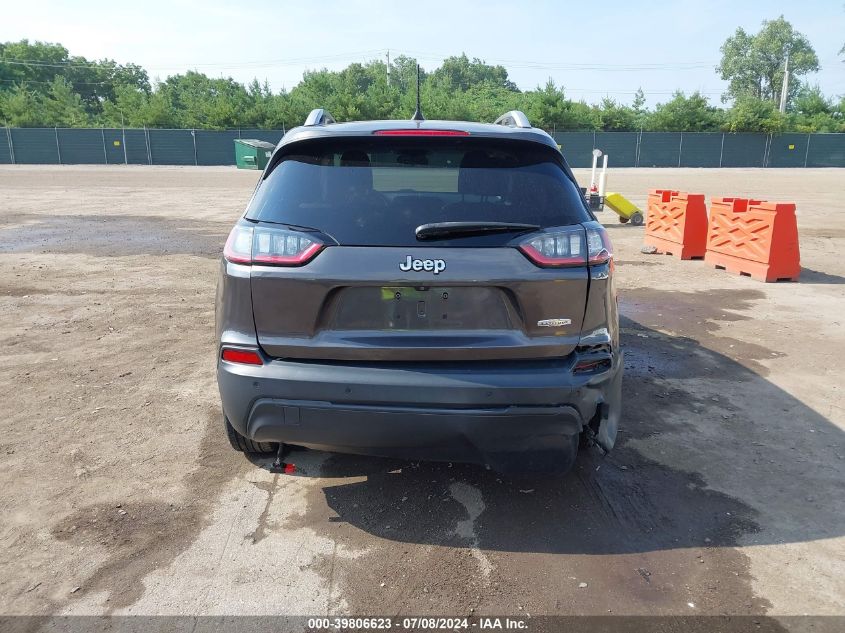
(42, 85)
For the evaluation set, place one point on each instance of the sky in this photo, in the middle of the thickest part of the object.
(593, 49)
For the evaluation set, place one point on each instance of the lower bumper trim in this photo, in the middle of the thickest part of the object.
(466, 435)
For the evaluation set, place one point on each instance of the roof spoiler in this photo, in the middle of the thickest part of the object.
(514, 118)
(318, 116)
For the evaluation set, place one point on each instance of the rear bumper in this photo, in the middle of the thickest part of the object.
(469, 412)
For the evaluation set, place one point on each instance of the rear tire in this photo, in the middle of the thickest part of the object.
(637, 219)
(623, 220)
(246, 445)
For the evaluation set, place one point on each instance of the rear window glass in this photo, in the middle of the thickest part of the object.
(376, 192)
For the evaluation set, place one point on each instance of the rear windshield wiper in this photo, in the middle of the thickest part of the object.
(437, 230)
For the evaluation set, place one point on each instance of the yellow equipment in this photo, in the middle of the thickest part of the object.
(624, 208)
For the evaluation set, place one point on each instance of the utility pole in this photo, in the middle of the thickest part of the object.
(785, 88)
(388, 67)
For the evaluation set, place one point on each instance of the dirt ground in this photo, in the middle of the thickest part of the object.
(120, 495)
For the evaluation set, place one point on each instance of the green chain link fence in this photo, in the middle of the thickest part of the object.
(114, 146)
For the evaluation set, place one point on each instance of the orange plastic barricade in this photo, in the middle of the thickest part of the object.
(753, 238)
(676, 223)
(659, 195)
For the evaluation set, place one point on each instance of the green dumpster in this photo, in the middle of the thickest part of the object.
(251, 153)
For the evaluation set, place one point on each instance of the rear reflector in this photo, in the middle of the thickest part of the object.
(584, 366)
(242, 356)
(420, 132)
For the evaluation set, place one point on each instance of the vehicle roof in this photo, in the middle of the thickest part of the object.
(366, 128)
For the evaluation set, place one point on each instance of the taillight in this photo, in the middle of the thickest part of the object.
(598, 246)
(569, 246)
(238, 247)
(264, 245)
(282, 247)
(564, 247)
(241, 356)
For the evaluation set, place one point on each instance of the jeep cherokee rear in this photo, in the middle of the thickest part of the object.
(425, 290)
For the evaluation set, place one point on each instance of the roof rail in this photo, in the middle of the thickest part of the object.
(514, 118)
(318, 116)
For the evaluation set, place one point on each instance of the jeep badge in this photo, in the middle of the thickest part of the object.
(417, 265)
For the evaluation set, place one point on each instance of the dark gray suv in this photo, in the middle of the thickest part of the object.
(420, 289)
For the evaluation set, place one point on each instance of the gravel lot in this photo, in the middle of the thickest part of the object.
(726, 494)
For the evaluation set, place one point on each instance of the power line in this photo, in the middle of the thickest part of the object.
(248, 64)
(73, 83)
(574, 66)
(646, 92)
(538, 65)
(71, 65)
(566, 88)
(288, 61)
(420, 55)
